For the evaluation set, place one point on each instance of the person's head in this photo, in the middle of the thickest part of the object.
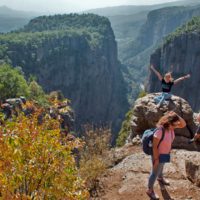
(169, 121)
(198, 117)
(168, 77)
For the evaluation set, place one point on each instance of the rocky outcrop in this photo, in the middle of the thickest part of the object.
(146, 115)
(68, 120)
(179, 56)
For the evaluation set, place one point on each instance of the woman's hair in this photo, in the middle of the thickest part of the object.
(168, 120)
(170, 76)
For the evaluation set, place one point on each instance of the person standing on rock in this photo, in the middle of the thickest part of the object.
(167, 83)
(197, 131)
(160, 156)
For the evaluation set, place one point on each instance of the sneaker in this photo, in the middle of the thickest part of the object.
(167, 103)
(158, 105)
(190, 141)
(163, 181)
(152, 194)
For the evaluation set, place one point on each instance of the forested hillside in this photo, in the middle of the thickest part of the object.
(179, 54)
(135, 55)
(126, 27)
(76, 54)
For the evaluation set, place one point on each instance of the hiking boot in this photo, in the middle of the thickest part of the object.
(163, 181)
(152, 194)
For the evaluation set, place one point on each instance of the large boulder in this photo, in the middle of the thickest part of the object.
(192, 168)
(146, 115)
(68, 120)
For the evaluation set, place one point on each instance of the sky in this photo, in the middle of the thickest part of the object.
(68, 6)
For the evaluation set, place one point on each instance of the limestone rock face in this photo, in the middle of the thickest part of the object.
(180, 56)
(146, 115)
(87, 73)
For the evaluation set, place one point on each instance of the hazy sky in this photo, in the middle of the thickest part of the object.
(66, 6)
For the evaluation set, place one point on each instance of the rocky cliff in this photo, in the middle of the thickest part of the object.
(75, 54)
(135, 55)
(180, 54)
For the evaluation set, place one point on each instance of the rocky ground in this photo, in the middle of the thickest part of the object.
(128, 179)
(130, 168)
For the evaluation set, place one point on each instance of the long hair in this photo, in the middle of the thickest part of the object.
(168, 120)
(169, 74)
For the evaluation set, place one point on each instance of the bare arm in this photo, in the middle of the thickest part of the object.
(182, 123)
(182, 78)
(196, 137)
(155, 151)
(157, 73)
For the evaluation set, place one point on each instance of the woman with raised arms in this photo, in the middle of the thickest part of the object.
(167, 83)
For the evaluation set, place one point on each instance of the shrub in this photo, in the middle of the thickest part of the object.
(53, 94)
(12, 84)
(94, 156)
(36, 161)
(60, 95)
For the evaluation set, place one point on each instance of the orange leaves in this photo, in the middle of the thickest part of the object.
(36, 161)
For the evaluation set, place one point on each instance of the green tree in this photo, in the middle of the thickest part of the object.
(12, 84)
(37, 93)
(34, 88)
(32, 78)
(60, 95)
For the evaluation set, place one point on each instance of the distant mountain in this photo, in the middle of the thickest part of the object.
(8, 12)
(127, 27)
(132, 9)
(13, 19)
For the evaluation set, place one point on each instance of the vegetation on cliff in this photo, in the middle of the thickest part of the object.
(13, 85)
(191, 25)
(36, 160)
(125, 130)
(20, 47)
(94, 155)
(90, 22)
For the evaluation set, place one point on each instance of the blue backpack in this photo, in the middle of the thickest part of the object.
(147, 140)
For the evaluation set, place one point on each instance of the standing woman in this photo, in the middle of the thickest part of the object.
(161, 154)
(167, 83)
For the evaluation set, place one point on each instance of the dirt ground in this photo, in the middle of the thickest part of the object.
(128, 179)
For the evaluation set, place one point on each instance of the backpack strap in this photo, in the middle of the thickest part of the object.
(163, 134)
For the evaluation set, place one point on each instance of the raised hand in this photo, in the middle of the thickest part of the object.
(152, 67)
(188, 76)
